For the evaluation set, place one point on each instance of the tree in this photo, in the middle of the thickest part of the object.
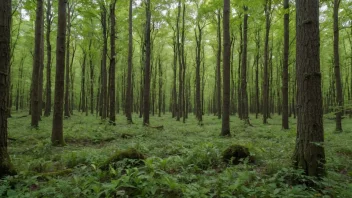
(49, 20)
(103, 94)
(57, 138)
(244, 95)
(225, 130)
(267, 9)
(6, 167)
(309, 152)
(37, 63)
(218, 66)
(112, 63)
(129, 93)
(146, 104)
(339, 96)
(285, 66)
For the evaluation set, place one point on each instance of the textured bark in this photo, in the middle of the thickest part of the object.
(49, 17)
(218, 67)
(179, 53)
(37, 62)
(266, 62)
(129, 102)
(6, 167)
(339, 96)
(57, 131)
(225, 130)
(285, 66)
(67, 71)
(309, 152)
(146, 104)
(257, 56)
(103, 94)
(198, 35)
(112, 113)
(244, 95)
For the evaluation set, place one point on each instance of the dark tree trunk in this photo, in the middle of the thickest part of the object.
(91, 67)
(67, 71)
(225, 130)
(49, 19)
(179, 52)
(129, 92)
(6, 167)
(103, 94)
(339, 98)
(257, 56)
(244, 95)
(198, 35)
(112, 64)
(285, 66)
(37, 63)
(83, 83)
(266, 62)
(146, 103)
(57, 137)
(160, 89)
(309, 151)
(218, 67)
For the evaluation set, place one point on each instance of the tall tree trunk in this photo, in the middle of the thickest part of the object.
(285, 66)
(57, 137)
(103, 94)
(67, 71)
(257, 56)
(6, 167)
(160, 89)
(49, 18)
(218, 67)
(198, 35)
(339, 95)
(225, 130)
(37, 63)
(146, 103)
(112, 63)
(266, 62)
(129, 91)
(180, 97)
(309, 152)
(91, 67)
(83, 83)
(244, 95)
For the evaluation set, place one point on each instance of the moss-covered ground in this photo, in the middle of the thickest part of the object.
(182, 160)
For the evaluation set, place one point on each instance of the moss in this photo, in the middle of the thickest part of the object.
(56, 173)
(7, 168)
(235, 154)
(121, 155)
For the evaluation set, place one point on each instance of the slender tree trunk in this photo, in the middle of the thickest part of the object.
(6, 167)
(67, 71)
(160, 89)
(339, 98)
(129, 91)
(179, 104)
(37, 62)
(49, 17)
(266, 62)
(83, 83)
(309, 152)
(257, 74)
(91, 77)
(112, 63)
(103, 93)
(225, 130)
(198, 105)
(146, 104)
(218, 70)
(244, 95)
(57, 137)
(285, 66)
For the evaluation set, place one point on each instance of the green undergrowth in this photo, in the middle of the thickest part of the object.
(182, 160)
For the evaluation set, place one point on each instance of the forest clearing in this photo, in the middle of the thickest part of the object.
(175, 98)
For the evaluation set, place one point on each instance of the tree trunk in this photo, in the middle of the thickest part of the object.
(285, 66)
(146, 104)
(225, 130)
(129, 92)
(266, 62)
(198, 63)
(309, 152)
(218, 67)
(67, 71)
(112, 64)
(339, 98)
(83, 83)
(57, 137)
(103, 94)
(6, 167)
(37, 62)
(49, 18)
(244, 95)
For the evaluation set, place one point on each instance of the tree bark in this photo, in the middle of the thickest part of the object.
(244, 95)
(112, 64)
(57, 131)
(67, 71)
(339, 98)
(49, 17)
(129, 102)
(6, 167)
(146, 103)
(309, 152)
(103, 94)
(266, 62)
(285, 66)
(218, 67)
(225, 130)
(37, 62)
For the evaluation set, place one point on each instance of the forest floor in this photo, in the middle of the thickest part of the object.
(183, 160)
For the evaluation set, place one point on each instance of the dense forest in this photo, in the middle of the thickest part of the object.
(175, 98)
